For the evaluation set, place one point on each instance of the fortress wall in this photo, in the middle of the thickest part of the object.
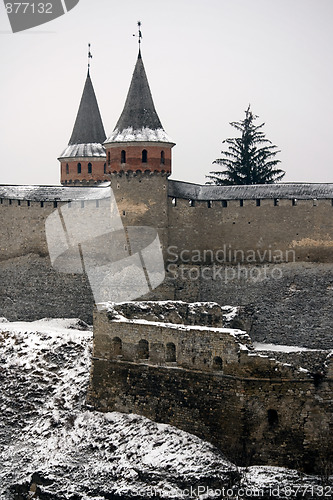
(303, 232)
(142, 201)
(191, 347)
(253, 421)
(262, 413)
(29, 286)
(23, 227)
(296, 305)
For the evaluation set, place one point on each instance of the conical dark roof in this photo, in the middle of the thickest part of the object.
(139, 110)
(88, 126)
(139, 120)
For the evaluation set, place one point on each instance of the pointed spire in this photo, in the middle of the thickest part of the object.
(139, 110)
(88, 126)
(139, 120)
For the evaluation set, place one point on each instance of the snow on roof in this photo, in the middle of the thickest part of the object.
(55, 193)
(92, 149)
(144, 134)
(117, 315)
(302, 191)
(139, 121)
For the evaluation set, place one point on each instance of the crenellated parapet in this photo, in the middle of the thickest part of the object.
(250, 224)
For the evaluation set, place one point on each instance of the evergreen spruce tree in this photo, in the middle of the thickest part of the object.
(250, 159)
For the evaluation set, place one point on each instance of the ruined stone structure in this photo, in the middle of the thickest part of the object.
(267, 248)
(174, 363)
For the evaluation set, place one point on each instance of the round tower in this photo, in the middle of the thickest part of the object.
(84, 159)
(139, 142)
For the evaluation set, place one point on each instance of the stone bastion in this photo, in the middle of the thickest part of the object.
(181, 363)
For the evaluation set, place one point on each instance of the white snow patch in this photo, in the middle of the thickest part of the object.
(45, 427)
(279, 348)
(139, 135)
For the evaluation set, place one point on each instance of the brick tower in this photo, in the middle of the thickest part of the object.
(84, 159)
(139, 142)
(139, 160)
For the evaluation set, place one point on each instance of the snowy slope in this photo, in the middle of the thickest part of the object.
(53, 447)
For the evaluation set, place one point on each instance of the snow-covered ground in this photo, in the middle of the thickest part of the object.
(53, 446)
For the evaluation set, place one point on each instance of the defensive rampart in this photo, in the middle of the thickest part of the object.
(250, 225)
(265, 248)
(211, 382)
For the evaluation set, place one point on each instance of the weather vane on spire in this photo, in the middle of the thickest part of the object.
(89, 57)
(139, 35)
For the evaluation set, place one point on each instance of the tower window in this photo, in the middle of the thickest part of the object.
(143, 349)
(79, 168)
(105, 168)
(217, 363)
(144, 156)
(123, 156)
(67, 169)
(89, 168)
(170, 354)
(109, 158)
(117, 346)
(162, 158)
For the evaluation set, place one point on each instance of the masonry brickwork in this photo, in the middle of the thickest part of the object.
(209, 381)
(287, 232)
(83, 171)
(145, 156)
(283, 302)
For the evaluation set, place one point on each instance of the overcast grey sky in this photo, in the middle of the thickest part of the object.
(205, 61)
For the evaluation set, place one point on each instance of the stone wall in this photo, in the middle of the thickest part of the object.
(252, 233)
(142, 201)
(23, 227)
(281, 302)
(254, 408)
